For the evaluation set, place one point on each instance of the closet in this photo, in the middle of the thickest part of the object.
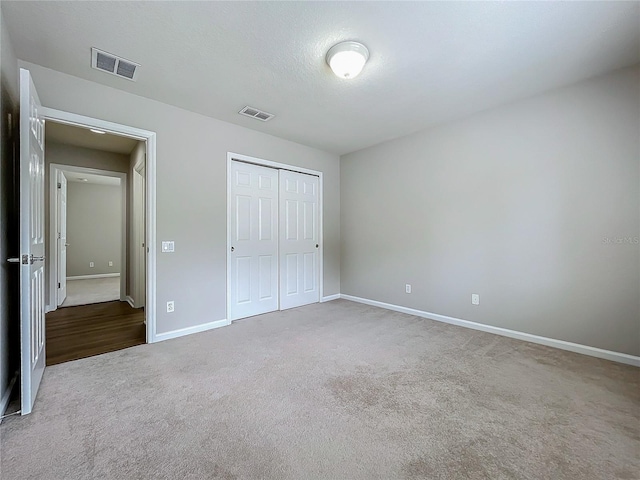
(273, 239)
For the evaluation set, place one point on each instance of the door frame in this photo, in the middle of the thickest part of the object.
(53, 222)
(280, 166)
(149, 138)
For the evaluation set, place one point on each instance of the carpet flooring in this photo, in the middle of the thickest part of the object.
(92, 290)
(331, 391)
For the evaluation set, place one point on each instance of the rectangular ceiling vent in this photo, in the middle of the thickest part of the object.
(118, 66)
(255, 113)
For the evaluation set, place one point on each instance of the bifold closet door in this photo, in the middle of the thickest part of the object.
(299, 239)
(254, 240)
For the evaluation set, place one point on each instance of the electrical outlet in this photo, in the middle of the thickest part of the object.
(475, 299)
(91, 264)
(407, 288)
(171, 306)
(111, 264)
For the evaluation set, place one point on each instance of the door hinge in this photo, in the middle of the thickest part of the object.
(58, 284)
(59, 235)
(59, 185)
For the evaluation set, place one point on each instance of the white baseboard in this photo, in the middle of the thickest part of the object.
(159, 337)
(4, 402)
(328, 298)
(527, 337)
(99, 275)
(130, 301)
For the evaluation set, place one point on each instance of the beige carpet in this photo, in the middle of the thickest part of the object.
(92, 290)
(332, 391)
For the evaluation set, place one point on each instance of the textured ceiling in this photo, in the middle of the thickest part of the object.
(430, 61)
(83, 137)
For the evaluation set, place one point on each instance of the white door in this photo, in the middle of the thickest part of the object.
(142, 267)
(62, 237)
(299, 239)
(253, 225)
(138, 264)
(31, 242)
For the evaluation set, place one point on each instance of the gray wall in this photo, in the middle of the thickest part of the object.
(191, 190)
(514, 204)
(9, 274)
(77, 157)
(94, 228)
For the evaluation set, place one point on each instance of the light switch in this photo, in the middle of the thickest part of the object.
(168, 247)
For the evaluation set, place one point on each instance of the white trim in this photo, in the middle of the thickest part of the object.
(130, 301)
(527, 337)
(98, 275)
(268, 163)
(150, 185)
(329, 298)
(53, 221)
(181, 332)
(4, 403)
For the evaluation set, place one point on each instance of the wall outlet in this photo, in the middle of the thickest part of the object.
(111, 264)
(407, 288)
(171, 306)
(475, 299)
(91, 264)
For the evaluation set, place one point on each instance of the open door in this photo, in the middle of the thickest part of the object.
(138, 256)
(31, 242)
(62, 237)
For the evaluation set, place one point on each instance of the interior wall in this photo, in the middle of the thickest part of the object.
(191, 190)
(94, 229)
(9, 273)
(534, 206)
(78, 157)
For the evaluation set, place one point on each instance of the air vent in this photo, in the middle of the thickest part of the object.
(255, 113)
(114, 65)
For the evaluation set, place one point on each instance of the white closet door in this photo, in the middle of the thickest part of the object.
(299, 270)
(254, 240)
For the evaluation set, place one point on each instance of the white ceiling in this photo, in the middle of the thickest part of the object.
(91, 178)
(430, 61)
(85, 138)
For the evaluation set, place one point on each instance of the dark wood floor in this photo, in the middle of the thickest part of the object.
(87, 330)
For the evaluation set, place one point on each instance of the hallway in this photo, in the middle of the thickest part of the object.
(87, 330)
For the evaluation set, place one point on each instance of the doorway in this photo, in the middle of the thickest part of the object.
(274, 256)
(88, 225)
(96, 289)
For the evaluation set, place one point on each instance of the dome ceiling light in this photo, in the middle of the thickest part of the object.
(347, 59)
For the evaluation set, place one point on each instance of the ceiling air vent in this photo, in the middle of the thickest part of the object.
(114, 65)
(255, 113)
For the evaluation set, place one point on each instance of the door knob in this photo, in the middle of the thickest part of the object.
(232, 249)
(67, 244)
(33, 259)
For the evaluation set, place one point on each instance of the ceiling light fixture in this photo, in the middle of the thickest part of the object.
(347, 59)
(101, 132)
